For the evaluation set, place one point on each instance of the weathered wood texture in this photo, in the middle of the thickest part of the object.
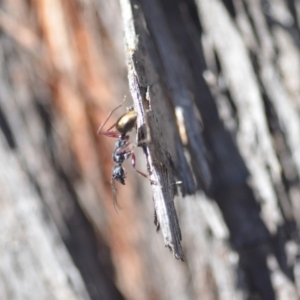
(216, 85)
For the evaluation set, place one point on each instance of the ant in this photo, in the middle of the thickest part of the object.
(123, 148)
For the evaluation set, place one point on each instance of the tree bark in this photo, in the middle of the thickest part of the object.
(216, 88)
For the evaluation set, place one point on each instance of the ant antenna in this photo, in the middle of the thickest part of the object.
(114, 190)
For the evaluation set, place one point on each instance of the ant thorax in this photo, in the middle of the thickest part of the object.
(121, 152)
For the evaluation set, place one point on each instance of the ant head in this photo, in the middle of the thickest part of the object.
(118, 173)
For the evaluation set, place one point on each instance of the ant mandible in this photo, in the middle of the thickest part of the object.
(123, 148)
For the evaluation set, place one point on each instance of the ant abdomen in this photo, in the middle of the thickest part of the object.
(126, 122)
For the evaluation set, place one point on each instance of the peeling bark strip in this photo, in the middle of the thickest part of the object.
(177, 77)
(155, 115)
(152, 100)
(163, 192)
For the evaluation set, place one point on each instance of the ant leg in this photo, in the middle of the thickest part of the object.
(133, 162)
(108, 117)
(114, 190)
(113, 134)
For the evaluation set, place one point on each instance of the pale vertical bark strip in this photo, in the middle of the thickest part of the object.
(34, 261)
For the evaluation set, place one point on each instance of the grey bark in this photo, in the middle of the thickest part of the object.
(48, 249)
(216, 87)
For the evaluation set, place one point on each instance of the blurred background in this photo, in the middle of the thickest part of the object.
(64, 66)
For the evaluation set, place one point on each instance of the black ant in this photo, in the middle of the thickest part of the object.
(123, 148)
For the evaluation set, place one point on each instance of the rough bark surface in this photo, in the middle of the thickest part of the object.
(216, 85)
